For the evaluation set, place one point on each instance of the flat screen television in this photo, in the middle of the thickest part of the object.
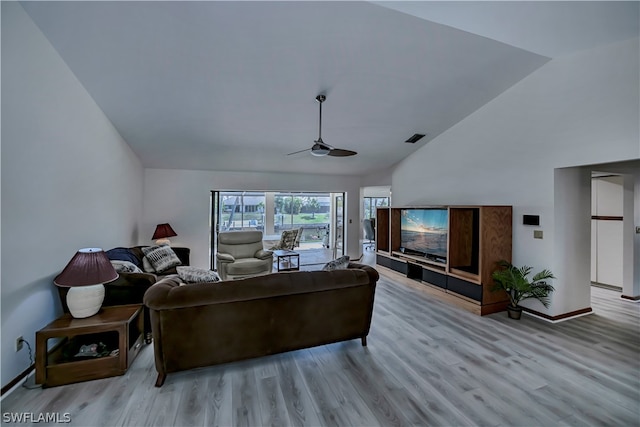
(423, 232)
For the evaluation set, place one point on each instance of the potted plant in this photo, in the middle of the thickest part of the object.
(515, 282)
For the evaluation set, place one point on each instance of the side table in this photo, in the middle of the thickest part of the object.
(287, 260)
(121, 326)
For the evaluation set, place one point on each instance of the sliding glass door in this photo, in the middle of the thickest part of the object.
(317, 215)
(235, 210)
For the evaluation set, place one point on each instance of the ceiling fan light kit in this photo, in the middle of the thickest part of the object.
(320, 148)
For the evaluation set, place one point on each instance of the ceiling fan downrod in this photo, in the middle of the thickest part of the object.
(319, 148)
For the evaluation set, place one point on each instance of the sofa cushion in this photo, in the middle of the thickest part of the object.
(337, 264)
(124, 254)
(197, 275)
(125, 267)
(161, 258)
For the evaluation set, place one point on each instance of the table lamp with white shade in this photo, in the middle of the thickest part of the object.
(85, 275)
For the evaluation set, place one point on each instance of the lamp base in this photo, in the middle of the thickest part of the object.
(161, 242)
(85, 301)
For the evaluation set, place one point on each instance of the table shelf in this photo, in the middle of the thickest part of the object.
(118, 327)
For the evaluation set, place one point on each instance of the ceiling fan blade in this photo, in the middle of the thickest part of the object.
(339, 152)
(298, 152)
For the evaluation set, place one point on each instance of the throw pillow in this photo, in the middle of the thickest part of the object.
(125, 267)
(146, 265)
(337, 264)
(123, 254)
(161, 258)
(197, 275)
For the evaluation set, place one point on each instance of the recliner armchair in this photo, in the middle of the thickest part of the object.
(241, 254)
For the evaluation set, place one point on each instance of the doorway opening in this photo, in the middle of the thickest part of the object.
(593, 242)
(607, 234)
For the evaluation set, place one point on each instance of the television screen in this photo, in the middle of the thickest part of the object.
(424, 231)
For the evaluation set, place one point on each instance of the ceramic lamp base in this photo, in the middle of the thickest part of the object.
(85, 301)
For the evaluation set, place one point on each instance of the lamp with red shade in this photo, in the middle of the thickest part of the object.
(85, 275)
(162, 234)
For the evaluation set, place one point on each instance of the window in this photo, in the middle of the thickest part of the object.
(273, 212)
(293, 210)
(241, 210)
(371, 203)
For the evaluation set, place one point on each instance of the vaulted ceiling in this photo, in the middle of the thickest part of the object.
(220, 85)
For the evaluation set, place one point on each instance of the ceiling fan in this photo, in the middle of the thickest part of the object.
(321, 148)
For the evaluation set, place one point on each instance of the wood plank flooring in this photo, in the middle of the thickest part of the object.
(427, 363)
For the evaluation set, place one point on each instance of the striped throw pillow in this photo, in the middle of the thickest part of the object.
(161, 257)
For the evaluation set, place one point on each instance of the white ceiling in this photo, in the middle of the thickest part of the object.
(549, 28)
(232, 85)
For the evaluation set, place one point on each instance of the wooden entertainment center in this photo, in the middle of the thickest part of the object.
(477, 238)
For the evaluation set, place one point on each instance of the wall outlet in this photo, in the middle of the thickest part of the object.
(537, 234)
(19, 343)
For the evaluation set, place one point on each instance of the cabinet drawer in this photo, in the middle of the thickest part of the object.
(399, 266)
(383, 261)
(462, 287)
(434, 278)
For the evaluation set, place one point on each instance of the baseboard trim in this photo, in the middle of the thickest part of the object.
(22, 377)
(17, 381)
(559, 318)
(630, 298)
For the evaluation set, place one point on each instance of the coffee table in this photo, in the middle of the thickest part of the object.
(287, 260)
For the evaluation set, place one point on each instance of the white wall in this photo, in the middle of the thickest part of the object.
(381, 191)
(381, 178)
(182, 198)
(68, 181)
(571, 242)
(575, 110)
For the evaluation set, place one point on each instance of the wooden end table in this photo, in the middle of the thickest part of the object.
(121, 326)
(287, 260)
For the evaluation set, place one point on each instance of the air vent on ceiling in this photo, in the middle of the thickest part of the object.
(415, 138)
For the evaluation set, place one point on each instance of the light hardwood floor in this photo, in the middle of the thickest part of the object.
(427, 363)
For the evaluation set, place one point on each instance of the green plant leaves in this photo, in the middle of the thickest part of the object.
(515, 282)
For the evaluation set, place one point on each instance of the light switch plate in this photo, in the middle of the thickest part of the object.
(537, 234)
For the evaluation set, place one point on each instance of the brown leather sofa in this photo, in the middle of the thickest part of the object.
(204, 324)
